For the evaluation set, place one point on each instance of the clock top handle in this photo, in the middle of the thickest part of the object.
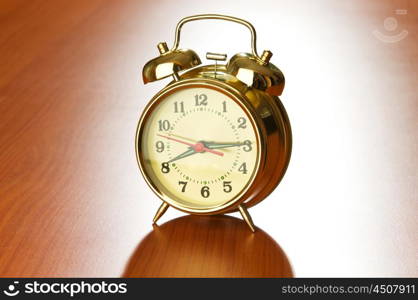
(216, 17)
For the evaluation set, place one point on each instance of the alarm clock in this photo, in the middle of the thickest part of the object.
(217, 138)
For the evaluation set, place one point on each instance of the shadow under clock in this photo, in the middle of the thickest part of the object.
(207, 246)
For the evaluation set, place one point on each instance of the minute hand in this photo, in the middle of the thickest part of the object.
(211, 145)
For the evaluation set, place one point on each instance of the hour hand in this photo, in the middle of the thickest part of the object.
(189, 152)
(212, 145)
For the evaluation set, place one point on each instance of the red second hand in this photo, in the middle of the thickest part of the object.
(198, 147)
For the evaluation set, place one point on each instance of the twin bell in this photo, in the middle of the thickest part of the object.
(249, 68)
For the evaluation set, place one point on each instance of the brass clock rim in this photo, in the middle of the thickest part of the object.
(235, 95)
(287, 150)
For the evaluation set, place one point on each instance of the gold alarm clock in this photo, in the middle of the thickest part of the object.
(217, 138)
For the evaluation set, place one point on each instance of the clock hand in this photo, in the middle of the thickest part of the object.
(176, 140)
(198, 147)
(211, 145)
(187, 153)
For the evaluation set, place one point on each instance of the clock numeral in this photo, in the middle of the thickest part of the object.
(224, 106)
(227, 186)
(205, 192)
(179, 107)
(243, 168)
(201, 99)
(242, 123)
(163, 125)
(165, 168)
(160, 146)
(247, 146)
(183, 183)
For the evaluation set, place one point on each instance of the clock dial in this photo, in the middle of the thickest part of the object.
(199, 147)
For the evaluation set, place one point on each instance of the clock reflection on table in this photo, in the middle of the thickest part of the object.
(207, 246)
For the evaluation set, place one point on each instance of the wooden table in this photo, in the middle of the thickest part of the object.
(72, 202)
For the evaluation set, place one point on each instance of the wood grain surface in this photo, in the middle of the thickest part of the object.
(73, 203)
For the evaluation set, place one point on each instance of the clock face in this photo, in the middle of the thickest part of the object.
(198, 148)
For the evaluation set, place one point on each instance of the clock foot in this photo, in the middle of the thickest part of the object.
(163, 208)
(247, 217)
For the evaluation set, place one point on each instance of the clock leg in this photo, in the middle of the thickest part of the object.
(163, 208)
(246, 216)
